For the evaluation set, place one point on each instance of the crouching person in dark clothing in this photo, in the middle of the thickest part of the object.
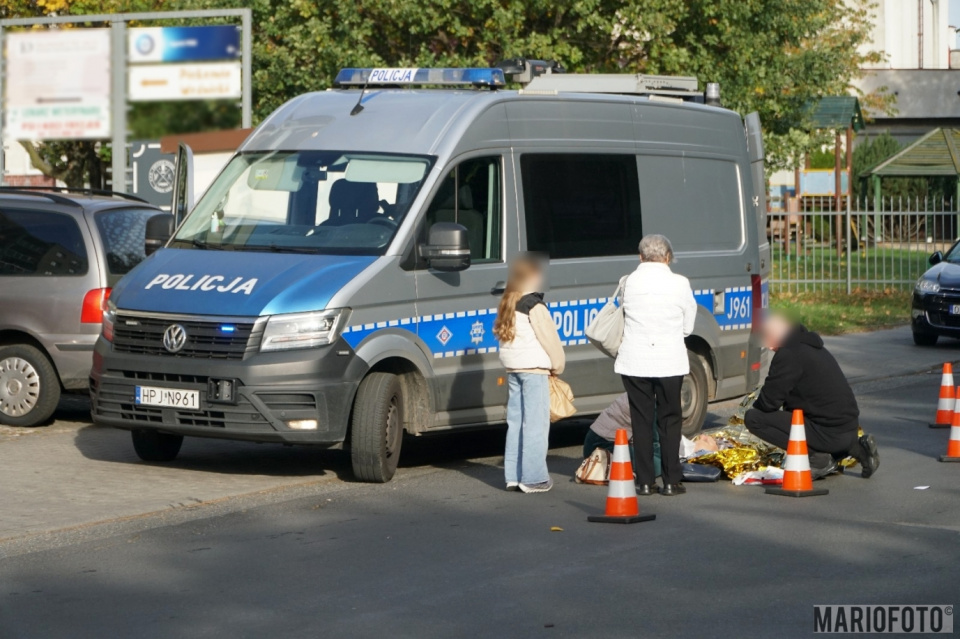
(804, 375)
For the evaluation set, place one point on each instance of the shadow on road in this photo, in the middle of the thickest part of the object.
(246, 458)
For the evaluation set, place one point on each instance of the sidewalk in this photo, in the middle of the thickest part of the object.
(889, 353)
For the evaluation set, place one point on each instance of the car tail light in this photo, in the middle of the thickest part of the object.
(756, 286)
(94, 303)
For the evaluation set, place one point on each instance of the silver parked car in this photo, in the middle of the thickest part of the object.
(60, 253)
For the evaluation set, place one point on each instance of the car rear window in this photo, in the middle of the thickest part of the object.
(122, 233)
(40, 243)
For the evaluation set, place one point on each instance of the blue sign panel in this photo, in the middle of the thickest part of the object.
(184, 44)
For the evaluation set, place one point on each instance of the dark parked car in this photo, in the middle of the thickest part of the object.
(936, 299)
(60, 253)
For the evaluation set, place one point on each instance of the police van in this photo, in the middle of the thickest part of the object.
(337, 283)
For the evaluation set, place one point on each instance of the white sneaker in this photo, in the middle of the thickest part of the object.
(513, 486)
(542, 487)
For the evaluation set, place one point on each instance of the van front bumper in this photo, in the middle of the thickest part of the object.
(271, 390)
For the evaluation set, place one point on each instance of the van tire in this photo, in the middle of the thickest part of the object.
(376, 429)
(152, 446)
(694, 395)
(23, 366)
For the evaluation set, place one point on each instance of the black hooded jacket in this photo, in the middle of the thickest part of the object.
(804, 375)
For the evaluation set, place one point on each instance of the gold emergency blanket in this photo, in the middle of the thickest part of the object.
(740, 451)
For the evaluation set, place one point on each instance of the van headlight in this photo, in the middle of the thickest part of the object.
(925, 286)
(302, 330)
(109, 317)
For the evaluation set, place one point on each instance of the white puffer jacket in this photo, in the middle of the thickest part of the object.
(659, 311)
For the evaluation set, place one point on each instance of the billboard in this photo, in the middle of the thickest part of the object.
(183, 44)
(58, 85)
(200, 81)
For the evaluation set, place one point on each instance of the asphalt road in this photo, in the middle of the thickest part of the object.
(443, 551)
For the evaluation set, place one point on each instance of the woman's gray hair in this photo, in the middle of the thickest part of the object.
(656, 248)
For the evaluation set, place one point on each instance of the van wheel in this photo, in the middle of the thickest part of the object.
(376, 430)
(29, 386)
(693, 395)
(152, 446)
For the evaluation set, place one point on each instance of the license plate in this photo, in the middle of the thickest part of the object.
(955, 309)
(168, 397)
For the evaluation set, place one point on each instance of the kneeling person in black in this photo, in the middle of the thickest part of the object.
(804, 375)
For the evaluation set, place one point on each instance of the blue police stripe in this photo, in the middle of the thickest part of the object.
(471, 332)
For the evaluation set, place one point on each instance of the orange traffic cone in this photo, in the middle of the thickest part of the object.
(953, 445)
(797, 480)
(622, 504)
(945, 405)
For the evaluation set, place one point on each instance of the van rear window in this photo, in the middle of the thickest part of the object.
(122, 232)
(40, 243)
(580, 205)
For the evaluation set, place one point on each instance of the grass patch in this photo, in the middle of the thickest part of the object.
(835, 313)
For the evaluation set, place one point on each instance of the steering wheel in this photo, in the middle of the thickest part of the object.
(383, 220)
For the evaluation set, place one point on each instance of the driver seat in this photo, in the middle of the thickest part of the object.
(353, 202)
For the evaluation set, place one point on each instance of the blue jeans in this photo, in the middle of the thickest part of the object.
(528, 428)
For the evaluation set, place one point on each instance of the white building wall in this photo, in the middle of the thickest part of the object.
(897, 33)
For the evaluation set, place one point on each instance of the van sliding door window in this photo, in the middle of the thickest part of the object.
(694, 201)
(581, 205)
(470, 195)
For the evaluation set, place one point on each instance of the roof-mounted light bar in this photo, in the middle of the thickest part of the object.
(493, 78)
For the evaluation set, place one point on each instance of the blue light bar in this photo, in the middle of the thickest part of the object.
(227, 328)
(441, 77)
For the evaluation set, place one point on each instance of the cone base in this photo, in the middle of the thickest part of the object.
(947, 458)
(939, 425)
(814, 492)
(612, 519)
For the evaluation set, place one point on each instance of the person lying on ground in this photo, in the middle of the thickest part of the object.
(803, 374)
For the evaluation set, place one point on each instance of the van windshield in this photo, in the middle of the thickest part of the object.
(305, 202)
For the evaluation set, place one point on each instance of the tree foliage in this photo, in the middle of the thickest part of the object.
(771, 56)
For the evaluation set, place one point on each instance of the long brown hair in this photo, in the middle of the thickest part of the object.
(521, 271)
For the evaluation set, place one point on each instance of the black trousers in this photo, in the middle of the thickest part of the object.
(656, 400)
(838, 441)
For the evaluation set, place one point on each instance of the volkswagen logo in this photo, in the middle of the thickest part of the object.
(175, 338)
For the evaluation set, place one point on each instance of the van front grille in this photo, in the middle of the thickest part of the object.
(205, 339)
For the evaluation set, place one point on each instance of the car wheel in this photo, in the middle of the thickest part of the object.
(152, 446)
(924, 339)
(29, 386)
(376, 430)
(694, 394)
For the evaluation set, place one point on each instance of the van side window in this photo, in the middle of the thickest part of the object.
(679, 189)
(40, 243)
(471, 195)
(581, 205)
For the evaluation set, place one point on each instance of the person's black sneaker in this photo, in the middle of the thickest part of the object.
(645, 490)
(821, 471)
(670, 490)
(871, 457)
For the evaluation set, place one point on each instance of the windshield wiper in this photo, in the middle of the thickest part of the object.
(275, 248)
(200, 244)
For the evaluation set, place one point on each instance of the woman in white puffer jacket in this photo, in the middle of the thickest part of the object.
(659, 311)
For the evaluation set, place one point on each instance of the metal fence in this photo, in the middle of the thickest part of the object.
(866, 245)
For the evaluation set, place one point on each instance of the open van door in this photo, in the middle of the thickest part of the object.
(183, 185)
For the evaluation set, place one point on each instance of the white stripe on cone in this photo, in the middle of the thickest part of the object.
(945, 403)
(622, 489)
(621, 454)
(947, 379)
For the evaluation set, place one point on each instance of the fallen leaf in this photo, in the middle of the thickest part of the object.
(556, 529)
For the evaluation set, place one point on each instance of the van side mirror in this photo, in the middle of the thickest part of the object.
(936, 258)
(159, 230)
(447, 247)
